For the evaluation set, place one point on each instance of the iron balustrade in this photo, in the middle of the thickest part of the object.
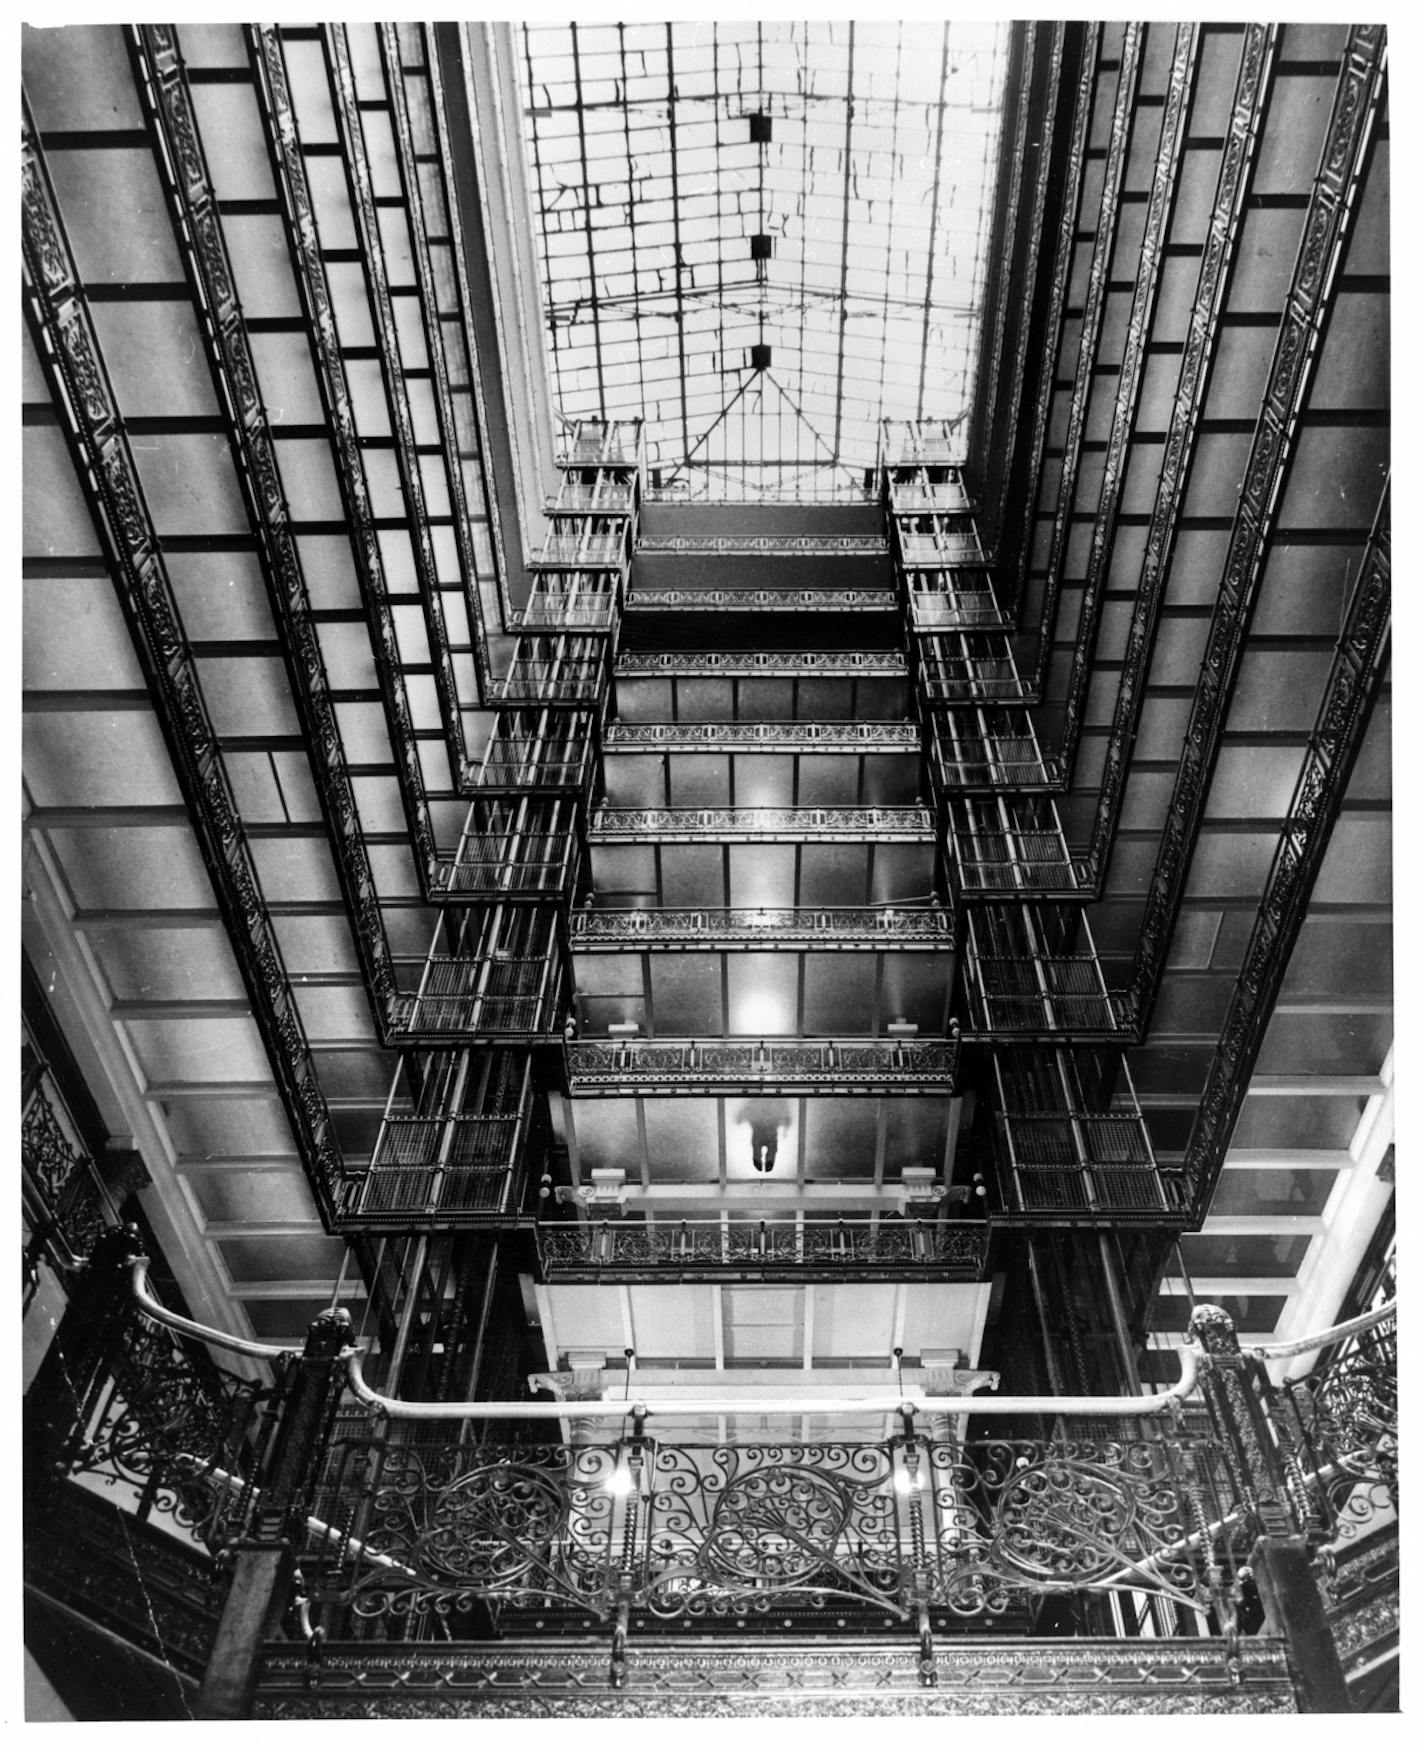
(66, 1205)
(691, 1065)
(692, 600)
(637, 825)
(888, 1248)
(830, 927)
(886, 737)
(692, 665)
(405, 1531)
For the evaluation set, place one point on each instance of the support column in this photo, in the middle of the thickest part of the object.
(262, 1574)
(1280, 1559)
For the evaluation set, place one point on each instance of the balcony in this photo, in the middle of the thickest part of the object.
(694, 665)
(763, 601)
(604, 443)
(692, 1066)
(850, 928)
(1022, 980)
(794, 1250)
(1009, 844)
(761, 825)
(572, 601)
(553, 670)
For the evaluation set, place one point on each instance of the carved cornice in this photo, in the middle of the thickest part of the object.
(1130, 373)
(1094, 303)
(189, 189)
(304, 245)
(87, 409)
(1350, 691)
(408, 462)
(788, 737)
(1057, 293)
(1328, 218)
(692, 665)
(1218, 254)
(750, 825)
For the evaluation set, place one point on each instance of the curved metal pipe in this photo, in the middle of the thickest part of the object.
(885, 1404)
(143, 1294)
(1324, 1339)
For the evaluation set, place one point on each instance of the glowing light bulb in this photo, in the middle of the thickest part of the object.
(621, 1482)
(903, 1482)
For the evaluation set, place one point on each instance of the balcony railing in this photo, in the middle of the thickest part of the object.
(778, 601)
(65, 1202)
(680, 664)
(832, 927)
(707, 1251)
(887, 737)
(695, 1066)
(752, 825)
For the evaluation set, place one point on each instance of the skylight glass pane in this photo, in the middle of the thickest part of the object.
(875, 188)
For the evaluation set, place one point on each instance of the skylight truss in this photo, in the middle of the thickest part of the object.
(763, 238)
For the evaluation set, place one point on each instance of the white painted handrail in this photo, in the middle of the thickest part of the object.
(1324, 1339)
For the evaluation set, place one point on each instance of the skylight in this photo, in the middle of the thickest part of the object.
(763, 239)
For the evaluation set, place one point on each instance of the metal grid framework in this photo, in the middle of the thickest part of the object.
(819, 189)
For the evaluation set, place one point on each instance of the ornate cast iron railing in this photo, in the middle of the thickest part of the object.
(850, 927)
(690, 1065)
(784, 601)
(819, 737)
(65, 1199)
(785, 1250)
(633, 663)
(634, 825)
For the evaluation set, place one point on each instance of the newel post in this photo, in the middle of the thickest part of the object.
(1281, 1557)
(262, 1572)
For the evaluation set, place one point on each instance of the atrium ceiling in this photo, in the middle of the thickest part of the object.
(763, 238)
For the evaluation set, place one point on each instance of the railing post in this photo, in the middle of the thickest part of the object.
(262, 1573)
(1280, 1558)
